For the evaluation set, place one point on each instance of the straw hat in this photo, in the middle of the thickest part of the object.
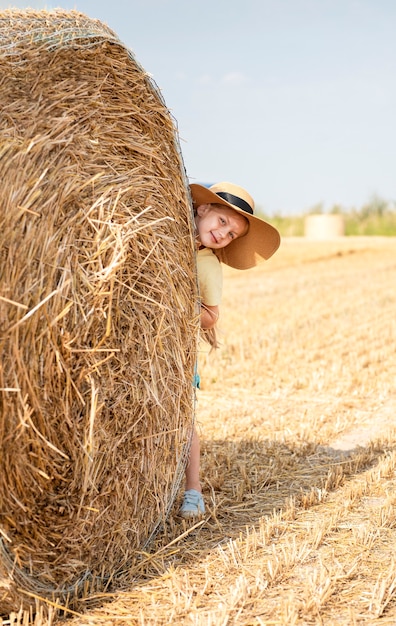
(261, 240)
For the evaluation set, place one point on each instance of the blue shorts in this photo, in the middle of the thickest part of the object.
(196, 380)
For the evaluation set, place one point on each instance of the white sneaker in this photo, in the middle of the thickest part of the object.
(193, 504)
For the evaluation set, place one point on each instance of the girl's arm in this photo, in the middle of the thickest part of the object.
(209, 316)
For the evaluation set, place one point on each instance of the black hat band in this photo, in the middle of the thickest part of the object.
(241, 204)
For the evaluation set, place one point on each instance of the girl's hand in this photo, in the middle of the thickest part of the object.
(209, 316)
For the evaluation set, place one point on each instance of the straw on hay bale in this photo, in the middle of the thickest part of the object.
(98, 307)
(324, 226)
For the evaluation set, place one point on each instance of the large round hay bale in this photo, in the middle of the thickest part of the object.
(98, 307)
(324, 226)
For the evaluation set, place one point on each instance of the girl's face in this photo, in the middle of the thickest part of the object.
(218, 225)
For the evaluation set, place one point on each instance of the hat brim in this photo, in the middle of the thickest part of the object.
(259, 243)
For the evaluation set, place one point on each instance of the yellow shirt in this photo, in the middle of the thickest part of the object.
(210, 277)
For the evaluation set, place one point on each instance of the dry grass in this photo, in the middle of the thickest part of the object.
(98, 308)
(98, 328)
(296, 416)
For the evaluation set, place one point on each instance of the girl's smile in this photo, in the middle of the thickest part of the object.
(218, 225)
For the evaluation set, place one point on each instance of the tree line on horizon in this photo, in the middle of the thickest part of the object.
(377, 217)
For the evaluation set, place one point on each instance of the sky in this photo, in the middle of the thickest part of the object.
(295, 100)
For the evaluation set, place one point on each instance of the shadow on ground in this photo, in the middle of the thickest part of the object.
(246, 480)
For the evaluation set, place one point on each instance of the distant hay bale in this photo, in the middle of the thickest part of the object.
(324, 226)
(98, 310)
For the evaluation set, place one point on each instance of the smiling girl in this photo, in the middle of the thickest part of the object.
(227, 231)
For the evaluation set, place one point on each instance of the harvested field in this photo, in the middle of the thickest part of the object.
(297, 419)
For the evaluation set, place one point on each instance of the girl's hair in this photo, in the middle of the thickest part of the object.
(212, 204)
(210, 336)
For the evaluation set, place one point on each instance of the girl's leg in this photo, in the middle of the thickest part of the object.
(193, 504)
(192, 469)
